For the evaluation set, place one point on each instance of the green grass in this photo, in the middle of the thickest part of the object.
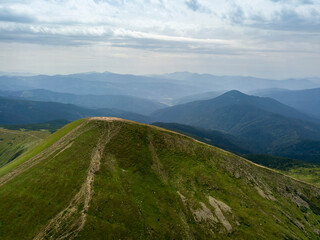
(15, 143)
(40, 147)
(136, 190)
(308, 174)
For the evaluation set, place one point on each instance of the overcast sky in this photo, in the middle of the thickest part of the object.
(266, 38)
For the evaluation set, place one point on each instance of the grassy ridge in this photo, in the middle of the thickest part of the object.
(155, 184)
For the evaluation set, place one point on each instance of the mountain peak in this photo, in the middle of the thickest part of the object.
(233, 93)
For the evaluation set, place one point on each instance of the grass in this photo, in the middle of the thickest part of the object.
(40, 147)
(136, 190)
(15, 143)
(308, 174)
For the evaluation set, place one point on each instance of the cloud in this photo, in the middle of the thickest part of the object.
(181, 27)
(9, 15)
(193, 5)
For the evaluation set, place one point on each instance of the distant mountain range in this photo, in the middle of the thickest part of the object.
(307, 100)
(162, 88)
(102, 84)
(266, 125)
(120, 102)
(241, 83)
(13, 111)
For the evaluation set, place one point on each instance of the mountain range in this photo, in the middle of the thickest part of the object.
(120, 102)
(162, 88)
(266, 125)
(306, 100)
(14, 111)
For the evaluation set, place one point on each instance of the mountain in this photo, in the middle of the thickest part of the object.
(106, 178)
(266, 125)
(121, 102)
(194, 110)
(13, 111)
(305, 100)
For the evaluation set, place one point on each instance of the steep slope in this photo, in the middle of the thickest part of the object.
(13, 111)
(121, 102)
(267, 125)
(299, 169)
(107, 178)
(305, 100)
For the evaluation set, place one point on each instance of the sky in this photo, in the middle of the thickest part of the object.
(266, 38)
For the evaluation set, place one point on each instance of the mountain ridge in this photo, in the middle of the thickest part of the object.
(265, 124)
(95, 175)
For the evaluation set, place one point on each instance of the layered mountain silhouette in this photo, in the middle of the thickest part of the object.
(14, 111)
(307, 100)
(120, 102)
(266, 124)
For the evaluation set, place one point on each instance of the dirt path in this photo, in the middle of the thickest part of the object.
(58, 146)
(69, 222)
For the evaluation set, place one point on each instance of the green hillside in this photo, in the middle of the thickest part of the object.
(107, 178)
(296, 168)
(14, 143)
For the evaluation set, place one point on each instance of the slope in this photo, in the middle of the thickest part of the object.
(107, 178)
(14, 143)
(121, 102)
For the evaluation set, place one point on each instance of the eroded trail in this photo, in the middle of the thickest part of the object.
(50, 152)
(69, 222)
